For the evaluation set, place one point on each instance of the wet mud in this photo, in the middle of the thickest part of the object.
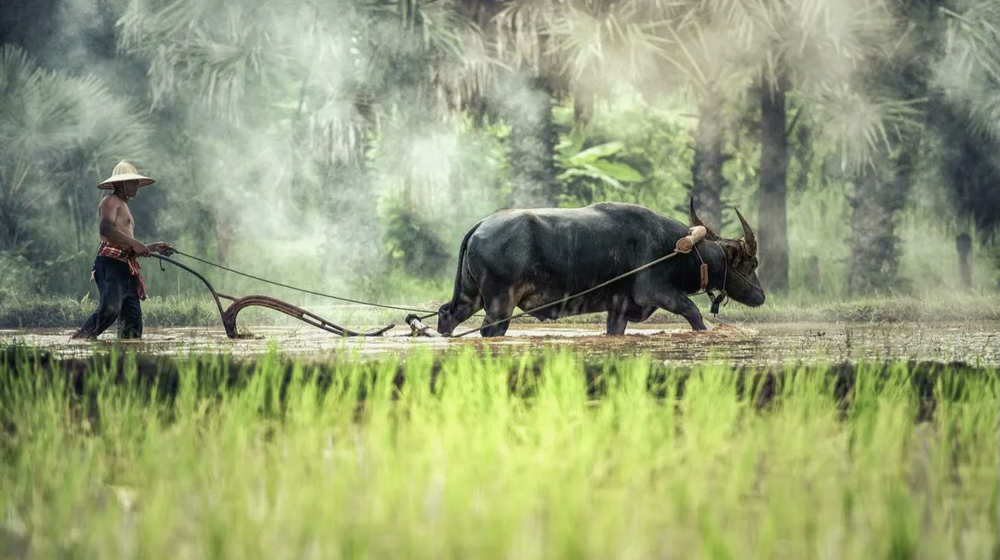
(758, 345)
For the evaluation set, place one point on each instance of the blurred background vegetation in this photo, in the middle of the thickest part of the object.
(348, 145)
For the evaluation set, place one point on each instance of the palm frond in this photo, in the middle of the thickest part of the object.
(970, 71)
(36, 106)
(520, 30)
(973, 40)
(860, 125)
(107, 128)
(57, 133)
(205, 51)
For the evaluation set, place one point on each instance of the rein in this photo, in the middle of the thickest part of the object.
(229, 314)
(303, 290)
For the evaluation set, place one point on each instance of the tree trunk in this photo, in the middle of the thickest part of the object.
(882, 188)
(223, 231)
(708, 161)
(531, 145)
(814, 274)
(881, 193)
(772, 236)
(8, 228)
(351, 247)
(871, 243)
(872, 238)
(964, 245)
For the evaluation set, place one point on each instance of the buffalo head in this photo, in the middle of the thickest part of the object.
(741, 281)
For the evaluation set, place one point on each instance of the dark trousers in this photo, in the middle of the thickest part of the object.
(119, 301)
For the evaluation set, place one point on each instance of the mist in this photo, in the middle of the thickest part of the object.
(347, 147)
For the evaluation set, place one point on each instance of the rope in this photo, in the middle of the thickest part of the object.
(723, 295)
(567, 298)
(433, 313)
(349, 300)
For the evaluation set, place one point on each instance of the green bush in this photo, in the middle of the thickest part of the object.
(17, 279)
(414, 245)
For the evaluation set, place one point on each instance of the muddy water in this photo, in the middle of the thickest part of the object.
(759, 344)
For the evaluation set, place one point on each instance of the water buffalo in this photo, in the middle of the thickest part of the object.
(527, 258)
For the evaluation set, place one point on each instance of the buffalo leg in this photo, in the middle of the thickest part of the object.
(453, 315)
(676, 302)
(499, 306)
(617, 320)
(464, 311)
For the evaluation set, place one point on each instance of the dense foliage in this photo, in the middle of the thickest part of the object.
(349, 145)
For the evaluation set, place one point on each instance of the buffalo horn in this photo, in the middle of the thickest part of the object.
(748, 236)
(696, 221)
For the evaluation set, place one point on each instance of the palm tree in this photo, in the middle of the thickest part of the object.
(800, 47)
(872, 134)
(243, 72)
(898, 85)
(560, 50)
(967, 112)
(701, 55)
(58, 136)
(204, 60)
(322, 86)
(526, 85)
(713, 50)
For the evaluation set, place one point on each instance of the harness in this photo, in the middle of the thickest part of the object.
(722, 296)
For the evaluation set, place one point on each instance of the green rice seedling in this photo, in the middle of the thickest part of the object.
(499, 454)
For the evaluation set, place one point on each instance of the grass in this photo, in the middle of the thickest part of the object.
(200, 311)
(511, 455)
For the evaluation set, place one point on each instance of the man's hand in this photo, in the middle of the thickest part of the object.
(140, 249)
(162, 247)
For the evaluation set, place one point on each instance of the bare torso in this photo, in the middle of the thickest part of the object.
(117, 210)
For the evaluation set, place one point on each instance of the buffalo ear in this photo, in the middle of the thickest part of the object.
(734, 251)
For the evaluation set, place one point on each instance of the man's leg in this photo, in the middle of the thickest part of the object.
(130, 320)
(111, 286)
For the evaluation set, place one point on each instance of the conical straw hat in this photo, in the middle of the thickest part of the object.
(125, 171)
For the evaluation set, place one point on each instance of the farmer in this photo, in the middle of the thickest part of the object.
(116, 269)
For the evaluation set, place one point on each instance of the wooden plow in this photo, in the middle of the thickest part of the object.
(240, 303)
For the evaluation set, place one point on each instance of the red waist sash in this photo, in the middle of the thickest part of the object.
(108, 250)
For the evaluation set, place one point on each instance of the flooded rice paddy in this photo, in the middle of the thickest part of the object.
(745, 344)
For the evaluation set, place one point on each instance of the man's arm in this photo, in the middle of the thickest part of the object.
(109, 230)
